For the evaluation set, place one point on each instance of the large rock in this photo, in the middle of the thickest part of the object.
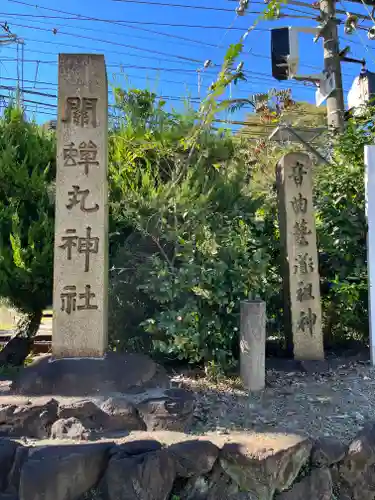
(31, 420)
(86, 411)
(63, 472)
(316, 486)
(148, 476)
(216, 485)
(8, 450)
(122, 415)
(115, 373)
(70, 428)
(14, 475)
(194, 458)
(263, 464)
(172, 410)
(356, 473)
(327, 451)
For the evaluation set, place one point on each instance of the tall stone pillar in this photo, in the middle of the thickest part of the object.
(81, 227)
(301, 276)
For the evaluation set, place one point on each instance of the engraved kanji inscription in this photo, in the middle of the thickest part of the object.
(307, 321)
(301, 230)
(78, 197)
(299, 204)
(69, 299)
(70, 154)
(85, 245)
(304, 264)
(304, 292)
(86, 297)
(85, 154)
(298, 173)
(80, 111)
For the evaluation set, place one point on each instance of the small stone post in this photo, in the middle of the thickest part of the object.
(81, 226)
(302, 309)
(253, 344)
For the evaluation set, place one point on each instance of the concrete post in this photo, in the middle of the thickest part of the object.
(253, 344)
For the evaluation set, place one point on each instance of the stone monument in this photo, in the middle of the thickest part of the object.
(81, 226)
(301, 276)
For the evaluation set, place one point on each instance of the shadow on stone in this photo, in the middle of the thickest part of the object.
(115, 373)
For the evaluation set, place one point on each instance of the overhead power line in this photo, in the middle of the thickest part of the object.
(164, 4)
(78, 17)
(111, 42)
(189, 41)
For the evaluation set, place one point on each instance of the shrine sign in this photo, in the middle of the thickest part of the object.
(300, 272)
(81, 225)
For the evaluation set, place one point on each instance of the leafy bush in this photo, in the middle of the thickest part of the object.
(342, 232)
(194, 245)
(27, 170)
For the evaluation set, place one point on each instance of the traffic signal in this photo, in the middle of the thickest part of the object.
(280, 52)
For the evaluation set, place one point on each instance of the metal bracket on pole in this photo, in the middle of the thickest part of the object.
(322, 27)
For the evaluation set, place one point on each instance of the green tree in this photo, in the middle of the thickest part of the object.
(194, 245)
(27, 171)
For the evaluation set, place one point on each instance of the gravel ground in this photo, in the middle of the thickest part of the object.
(338, 403)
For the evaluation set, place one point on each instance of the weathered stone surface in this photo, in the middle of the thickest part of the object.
(115, 373)
(303, 312)
(122, 415)
(14, 475)
(80, 290)
(253, 344)
(8, 450)
(170, 410)
(221, 485)
(70, 428)
(327, 451)
(147, 476)
(264, 463)
(86, 411)
(194, 458)
(316, 486)
(62, 472)
(32, 420)
(357, 470)
(216, 485)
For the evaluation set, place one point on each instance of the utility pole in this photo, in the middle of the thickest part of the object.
(332, 64)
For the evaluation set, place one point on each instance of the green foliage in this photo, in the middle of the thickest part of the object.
(193, 226)
(194, 242)
(342, 231)
(27, 170)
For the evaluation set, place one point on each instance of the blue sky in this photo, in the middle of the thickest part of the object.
(143, 51)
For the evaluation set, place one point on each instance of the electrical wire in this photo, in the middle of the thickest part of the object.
(75, 35)
(134, 47)
(357, 32)
(189, 41)
(178, 5)
(259, 75)
(79, 17)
